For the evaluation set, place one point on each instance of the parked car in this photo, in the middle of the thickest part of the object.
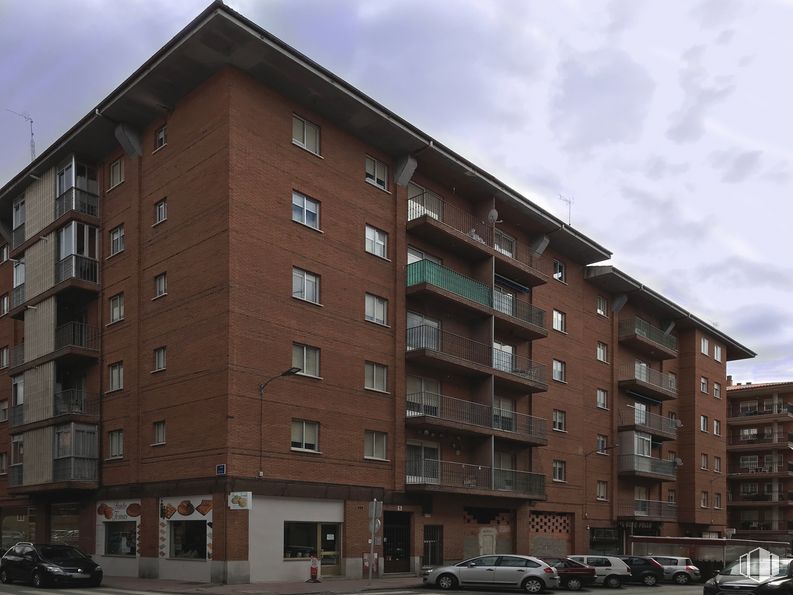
(644, 570)
(609, 570)
(680, 570)
(572, 575)
(49, 564)
(513, 571)
(732, 579)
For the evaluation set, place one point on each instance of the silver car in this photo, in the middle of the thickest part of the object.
(520, 572)
(677, 569)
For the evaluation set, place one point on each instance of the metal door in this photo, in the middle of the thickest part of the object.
(396, 541)
(433, 545)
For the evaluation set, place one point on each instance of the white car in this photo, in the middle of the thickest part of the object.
(521, 572)
(609, 570)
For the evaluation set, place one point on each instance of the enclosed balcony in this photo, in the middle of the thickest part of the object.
(77, 267)
(15, 475)
(75, 469)
(80, 201)
(663, 428)
(18, 295)
(761, 469)
(747, 441)
(644, 338)
(18, 236)
(463, 478)
(752, 499)
(431, 410)
(73, 402)
(648, 510)
(751, 413)
(648, 382)
(649, 467)
(447, 351)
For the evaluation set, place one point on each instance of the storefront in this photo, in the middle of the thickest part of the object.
(118, 536)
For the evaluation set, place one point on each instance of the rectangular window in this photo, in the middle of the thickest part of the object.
(3, 463)
(717, 500)
(3, 253)
(504, 244)
(559, 371)
(671, 496)
(18, 213)
(717, 390)
(703, 461)
(115, 441)
(116, 172)
(602, 306)
(374, 445)
(559, 470)
(559, 271)
(4, 410)
(717, 464)
(375, 376)
(602, 398)
(376, 242)
(717, 352)
(306, 358)
(376, 309)
(160, 137)
(305, 285)
(703, 423)
(602, 352)
(559, 420)
(160, 211)
(117, 307)
(602, 492)
(601, 443)
(159, 359)
(703, 500)
(703, 384)
(305, 210)
(120, 538)
(559, 321)
(305, 134)
(3, 357)
(305, 435)
(188, 539)
(704, 346)
(376, 173)
(716, 427)
(160, 285)
(3, 304)
(116, 376)
(159, 432)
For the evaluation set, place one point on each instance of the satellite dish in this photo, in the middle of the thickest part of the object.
(678, 462)
(492, 216)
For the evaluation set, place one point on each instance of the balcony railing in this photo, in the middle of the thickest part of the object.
(78, 200)
(433, 339)
(16, 355)
(653, 509)
(738, 439)
(18, 235)
(662, 381)
(649, 422)
(462, 476)
(75, 401)
(460, 411)
(75, 469)
(15, 475)
(17, 415)
(772, 525)
(633, 463)
(77, 334)
(642, 328)
(778, 497)
(18, 295)
(426, 271)
(779, 467)
(774, 409)
(77, 267)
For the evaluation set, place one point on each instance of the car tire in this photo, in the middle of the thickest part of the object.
(4, 577)
(574, 584)
(613, 581)
(37, 579)
(447, 582)
(681, 578)
(532, 585)
(96, 583)
(650, 580)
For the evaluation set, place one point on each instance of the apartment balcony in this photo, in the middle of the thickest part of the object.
(430, 410)
(77, 403)
(464, 478)
(761, 471)
(663, 428)
(77, 200)
(644, 338)
(81, 270)
(648, 382)
(649, 467)
(760, 500)
(15, 475)
(741, 415)
(648, 510)
(69, 474)
(512, 316)
(16, 355)
(18, 295)
(78, 469)
(472, 237)
(460, 355)
(18, 236)
(780, 525)
(749, 442)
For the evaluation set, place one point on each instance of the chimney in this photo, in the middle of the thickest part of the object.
(729, 380)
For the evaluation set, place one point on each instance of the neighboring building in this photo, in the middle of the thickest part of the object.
(234, 210)
(760, 440)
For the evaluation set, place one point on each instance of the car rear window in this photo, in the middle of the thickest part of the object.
(666, 561)
(515, 562)
(600, 562)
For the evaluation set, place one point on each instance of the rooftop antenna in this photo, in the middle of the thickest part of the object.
(26, 117)
(569, 202)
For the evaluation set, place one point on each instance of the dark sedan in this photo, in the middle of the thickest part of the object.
(43, 564)
(572, 575)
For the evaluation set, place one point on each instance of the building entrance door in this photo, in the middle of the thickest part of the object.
(396, 541)
(330, 548)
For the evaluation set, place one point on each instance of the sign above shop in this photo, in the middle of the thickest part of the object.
(240, 500)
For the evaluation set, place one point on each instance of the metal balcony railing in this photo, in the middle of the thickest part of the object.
(77, 334)
(642, 328)
(77, 267)
(75, 469)
(641, 464)
(650, 422)
(18, 295)
(75, 199)
(16, 355)
(470, 476)
(738, 439)
(457, 410)
(758, 497)
(661, 380)
(773, 409)
(18, 235)
(15, 475)
(75, 401)
(762, 467)
(657, 509)
(772, 525)
(432, 338)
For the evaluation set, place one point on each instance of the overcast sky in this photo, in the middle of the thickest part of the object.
(667, 123)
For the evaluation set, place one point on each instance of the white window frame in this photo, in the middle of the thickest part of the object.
(158, 429)
(376, 173)
(371, 442)
(302, 140)
(504, 243)
(116, 240)
(3, 253)
(717, 390)
(3, 463)
(716, 427)
(115, 173)
(559, 369)
(560, 271)
(305, 285)
(116, 308)
(3, 410)
(717, 500)
(717, 352)
(602, 306)
(300, 425)
(3, 304)
(717, 464)
(375, 377)
(703, 385)
(115, 376)
(602, 491)
(559, 420)
(115, 444)
(703, 423)
(160, 211)
(601, 444)
(704, 346)
(376, 242)
(376, 309)
(160, 285)
(703, 499)
(559, 467)
(602, 398)
(559, 321)
(159, 358)
(671, 496)
(703, 461)
(300, 359)
(160, 137)
(602, 352)
(302, 206)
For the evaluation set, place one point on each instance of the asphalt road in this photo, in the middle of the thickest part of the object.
(19, 589)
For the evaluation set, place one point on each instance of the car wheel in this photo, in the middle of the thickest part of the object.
(574, 584)
(37, 580)
(533, 585)
(96, 583)
(613, 581)
(650, 580)
(4, 577)
(447, 582)
(681, 578)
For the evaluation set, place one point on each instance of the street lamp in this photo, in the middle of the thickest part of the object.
(290, 372)
(586, 478)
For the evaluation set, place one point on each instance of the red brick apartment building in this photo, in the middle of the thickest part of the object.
(234, 210)
(760, 439)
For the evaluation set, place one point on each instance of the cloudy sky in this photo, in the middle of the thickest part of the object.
(666, 122)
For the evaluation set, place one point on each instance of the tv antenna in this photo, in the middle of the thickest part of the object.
(27, 118)
(569, 202)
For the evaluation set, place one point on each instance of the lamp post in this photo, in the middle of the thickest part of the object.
(290, 372)
(586, 481)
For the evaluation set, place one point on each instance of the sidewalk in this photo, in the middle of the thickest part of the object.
(328, 585)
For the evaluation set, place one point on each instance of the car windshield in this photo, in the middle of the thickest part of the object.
(61, 553)
(755, 567)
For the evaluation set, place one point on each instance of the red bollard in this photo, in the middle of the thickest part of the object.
(314, 570)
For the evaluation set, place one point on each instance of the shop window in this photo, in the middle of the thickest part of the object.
(188, 539)
(120, 538)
